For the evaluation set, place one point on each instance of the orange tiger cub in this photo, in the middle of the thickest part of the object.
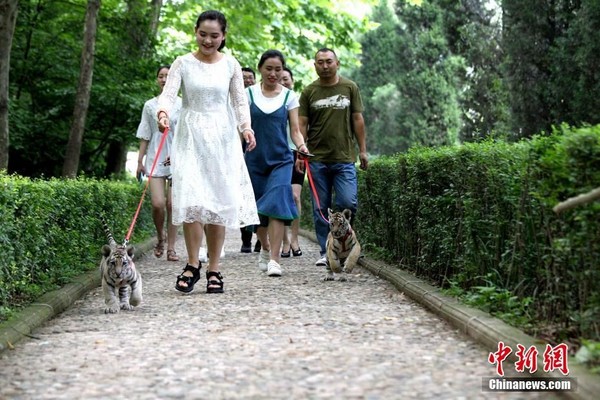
(342, 247)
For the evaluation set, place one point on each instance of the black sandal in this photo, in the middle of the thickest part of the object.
(297, 253)
(190, 281)
(211, 283)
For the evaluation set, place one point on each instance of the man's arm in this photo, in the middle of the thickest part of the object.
(358, 123)
(303, 125)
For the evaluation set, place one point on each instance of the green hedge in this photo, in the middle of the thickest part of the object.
(479, 217)
(50, 231)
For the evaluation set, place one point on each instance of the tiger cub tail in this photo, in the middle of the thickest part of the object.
(109, 236)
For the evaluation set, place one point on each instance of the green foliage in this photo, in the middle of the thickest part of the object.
(296, 27)
(550, 48)
(410, 79)
(46, 54)
(441, 70)
(479, 217)
(50, 231)
(499, 302)
(306, 217)
(473, 32)
(44, 75)
(589, 354)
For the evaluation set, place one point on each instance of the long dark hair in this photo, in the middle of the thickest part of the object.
(214, 15)
(271, 54)
(167, 66)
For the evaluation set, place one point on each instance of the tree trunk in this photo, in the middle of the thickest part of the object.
(143, 24)
(155, 7)
(116, 157)
(8, 17)
(82, 99)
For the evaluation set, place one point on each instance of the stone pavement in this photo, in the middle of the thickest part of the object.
(294, 337)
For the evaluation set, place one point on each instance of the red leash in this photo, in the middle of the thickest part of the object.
(312, 187)
(139, 207)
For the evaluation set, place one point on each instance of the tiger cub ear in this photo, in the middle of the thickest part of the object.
(130, 250)
(347, 213)
(106, 250)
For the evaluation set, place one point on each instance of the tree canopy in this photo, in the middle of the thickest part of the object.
(431, 72)
(134, 37)
(437, 71)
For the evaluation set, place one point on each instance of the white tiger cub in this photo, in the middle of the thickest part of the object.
(121, 283)
(342, 247)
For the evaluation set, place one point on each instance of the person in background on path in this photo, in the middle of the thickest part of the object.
(160, 181)
(249, 76)
(272, 108)
(290, 242)
(211, 185)
(249, 80)
(331, 121)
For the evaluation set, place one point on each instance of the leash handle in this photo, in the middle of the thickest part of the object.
(314, 190)
(139, 207)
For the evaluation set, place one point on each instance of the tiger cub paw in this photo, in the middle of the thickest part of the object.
(111, 310)
(126, 306)
(328, 277)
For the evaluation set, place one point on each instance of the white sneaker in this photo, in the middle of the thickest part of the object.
(263, 260)
(321, 262)
(273, 268)
(203, 256)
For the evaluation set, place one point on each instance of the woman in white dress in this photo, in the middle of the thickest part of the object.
(211, 185)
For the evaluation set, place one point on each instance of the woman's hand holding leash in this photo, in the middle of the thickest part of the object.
(303, 151)
(163, 120)
(302, 158)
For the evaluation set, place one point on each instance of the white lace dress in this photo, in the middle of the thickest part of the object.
(210, 179)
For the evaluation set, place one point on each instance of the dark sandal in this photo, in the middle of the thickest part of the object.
(159, 249)
(211, 283)
(297, 253)
(190, 281)
(172, 255)
(285, 254)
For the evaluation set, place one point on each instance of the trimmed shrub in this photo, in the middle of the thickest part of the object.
(50, 231)
(480, 215)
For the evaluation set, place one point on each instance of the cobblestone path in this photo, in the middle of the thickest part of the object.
(294, 337)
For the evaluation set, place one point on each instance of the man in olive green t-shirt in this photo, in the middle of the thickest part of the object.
(331, 121)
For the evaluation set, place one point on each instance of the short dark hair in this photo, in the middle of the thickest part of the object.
(289, 71)
(248, 69)
(214, 15)
(271, 54)
(325, 50)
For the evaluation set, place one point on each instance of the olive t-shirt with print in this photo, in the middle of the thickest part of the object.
(329, 111)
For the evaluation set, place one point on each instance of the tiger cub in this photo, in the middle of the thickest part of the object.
(119, 275)
(342, 248)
